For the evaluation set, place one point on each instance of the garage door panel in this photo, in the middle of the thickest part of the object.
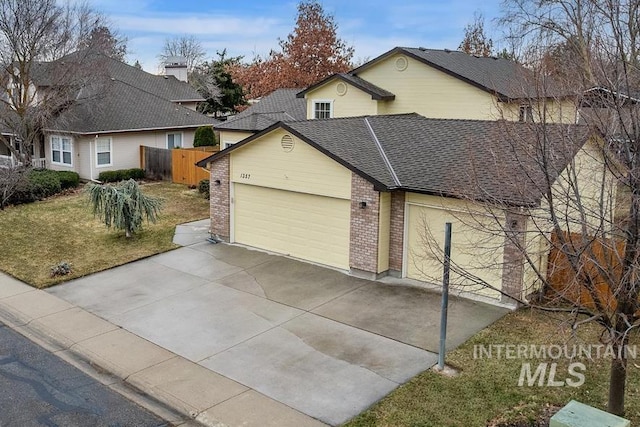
(475, 251)
(315, 228)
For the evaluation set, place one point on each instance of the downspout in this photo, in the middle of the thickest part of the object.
(91, 158)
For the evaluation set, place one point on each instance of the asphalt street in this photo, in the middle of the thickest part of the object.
(40, 389)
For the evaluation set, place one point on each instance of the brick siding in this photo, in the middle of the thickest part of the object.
(363, 251)
(513, 265)
(219, 200)
(396, 231)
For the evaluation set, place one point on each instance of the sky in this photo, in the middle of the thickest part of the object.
(250, 27)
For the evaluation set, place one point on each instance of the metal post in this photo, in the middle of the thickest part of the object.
(445, 294)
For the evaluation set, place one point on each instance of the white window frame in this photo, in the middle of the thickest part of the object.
(51, 150)
(315, 102)
(227, 144)
(175, 133)
(525, 113)
(98, 165)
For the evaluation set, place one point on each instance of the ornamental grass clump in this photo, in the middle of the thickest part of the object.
(123, 206)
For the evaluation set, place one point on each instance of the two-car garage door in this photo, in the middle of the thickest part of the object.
(311, 227)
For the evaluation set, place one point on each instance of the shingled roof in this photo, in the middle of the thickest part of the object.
(166, 87)
(279, 105)
(118, 97)
(501, 77)
(481, 160)
(123, 107)
(376, 92)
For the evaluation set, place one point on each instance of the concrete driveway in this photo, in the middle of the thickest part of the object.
(315, 339)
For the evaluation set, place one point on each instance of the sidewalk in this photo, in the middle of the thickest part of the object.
(182, 391)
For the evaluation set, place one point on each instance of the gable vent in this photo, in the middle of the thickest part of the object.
(341, 88)
(287, 143)
(401, 63)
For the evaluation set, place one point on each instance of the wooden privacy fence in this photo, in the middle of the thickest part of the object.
(177, 165)
(183, 164)
(572, 285)
(156, 162)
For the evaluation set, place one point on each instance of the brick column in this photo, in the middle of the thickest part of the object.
(363, 251)
(396, 231)
(513, 258)
(219, 198)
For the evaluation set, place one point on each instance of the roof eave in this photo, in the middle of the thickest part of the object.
(98, 132)
(379, 186)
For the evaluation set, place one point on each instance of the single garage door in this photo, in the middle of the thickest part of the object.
(306, 226)
(475, 251)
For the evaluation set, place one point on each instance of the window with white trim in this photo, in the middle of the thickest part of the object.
(103, 152)
(61, 150)
(174, 140)
(525, 114)
(227, 144)
(322, 109)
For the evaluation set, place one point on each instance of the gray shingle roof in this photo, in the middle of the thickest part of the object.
(125, 107)
(118, 97)
(280, 105)
(166, 87)
(481, 160)
(504, 77)
(376, 92)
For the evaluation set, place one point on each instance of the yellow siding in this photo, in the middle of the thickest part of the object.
(304, 169)
(305, 226)
(593, 200)
(384, 224)
(353, 103)
(232, 137)
(429, 92)
(557, 111)
(476, 246)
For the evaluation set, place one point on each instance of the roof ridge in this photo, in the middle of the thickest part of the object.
(385, 159)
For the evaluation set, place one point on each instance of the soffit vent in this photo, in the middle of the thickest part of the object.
(287, 143)
(401, 63)
(341, 88)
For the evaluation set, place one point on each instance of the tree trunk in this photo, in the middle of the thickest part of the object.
(618, 377)
(127, 233)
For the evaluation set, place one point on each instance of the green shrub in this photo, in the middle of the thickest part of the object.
(136, 173)
(204, 137)
(39, 184)
(44, 183)
(203, 188)
(68, 179)
(121, 175)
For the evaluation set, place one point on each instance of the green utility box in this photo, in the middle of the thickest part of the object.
(577, 414)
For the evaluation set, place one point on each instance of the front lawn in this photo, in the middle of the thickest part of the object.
(37, 236)
(487, 389)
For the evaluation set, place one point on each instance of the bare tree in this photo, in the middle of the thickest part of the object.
(103, 40)
(37, 86)
(475, 40)
(570, 224)
(187, 47)
(12, 178)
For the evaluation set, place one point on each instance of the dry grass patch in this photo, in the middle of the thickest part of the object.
(37, 236)
(487, 393)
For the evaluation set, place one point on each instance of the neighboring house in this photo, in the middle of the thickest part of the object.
(131, 108)
(361, 194)
(438, 84)
(280, 105)
(389, 153)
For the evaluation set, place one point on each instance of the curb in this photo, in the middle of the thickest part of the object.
(163, 405)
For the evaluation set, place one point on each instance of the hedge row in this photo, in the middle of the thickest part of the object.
(121, 175)
(41, 183)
